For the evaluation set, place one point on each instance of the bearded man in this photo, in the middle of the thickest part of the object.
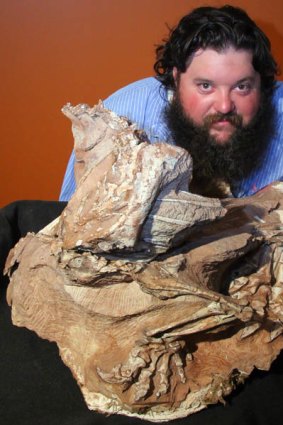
(214, 94)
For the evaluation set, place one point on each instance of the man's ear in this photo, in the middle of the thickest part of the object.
(175, 74)
(176, 77)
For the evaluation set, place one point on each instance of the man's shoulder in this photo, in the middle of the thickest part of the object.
(279, 86)
(145, 84)
(142, 102)
(278, 95)
(278, 104)
(138, 91)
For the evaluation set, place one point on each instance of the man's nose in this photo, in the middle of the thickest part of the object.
(224, 102)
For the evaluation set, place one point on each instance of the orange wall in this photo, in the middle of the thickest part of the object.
(56, 51)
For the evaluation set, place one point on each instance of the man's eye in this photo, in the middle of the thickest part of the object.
(205, 86)
(245, 88)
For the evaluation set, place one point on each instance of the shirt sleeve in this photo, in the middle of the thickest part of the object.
(69, 184)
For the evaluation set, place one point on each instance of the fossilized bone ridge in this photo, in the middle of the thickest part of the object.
(160, 300)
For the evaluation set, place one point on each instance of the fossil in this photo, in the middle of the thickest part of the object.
(160, 301)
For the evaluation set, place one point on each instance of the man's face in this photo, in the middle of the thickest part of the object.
(220, 90)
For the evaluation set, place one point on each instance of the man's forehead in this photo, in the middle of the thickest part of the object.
(209, 51)
(214, 63)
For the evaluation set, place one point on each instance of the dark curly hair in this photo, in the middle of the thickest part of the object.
(216, 28)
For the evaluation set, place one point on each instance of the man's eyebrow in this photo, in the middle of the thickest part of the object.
(202, 80)
(249, 79)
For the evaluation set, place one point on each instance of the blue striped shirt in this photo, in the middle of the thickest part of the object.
(144, 101)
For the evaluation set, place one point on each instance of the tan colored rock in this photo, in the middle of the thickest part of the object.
(133, 195)
(160, 301)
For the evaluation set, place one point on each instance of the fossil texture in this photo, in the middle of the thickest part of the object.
(160, 301)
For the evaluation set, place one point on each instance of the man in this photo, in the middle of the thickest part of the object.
(215, 95)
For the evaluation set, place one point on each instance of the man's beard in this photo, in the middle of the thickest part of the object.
(229, 162)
